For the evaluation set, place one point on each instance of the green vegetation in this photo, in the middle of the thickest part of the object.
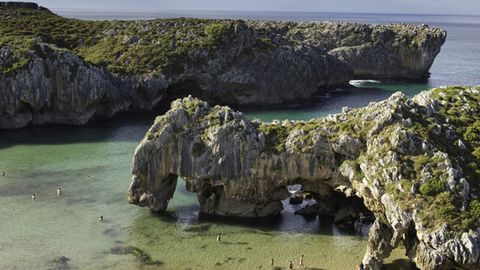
(433, 187)
(276, 135)
(475, 208)
(215, 32)
(417, 178)
(462, 110)
(459, 109)
(124, 47)
(18, 48)
(356, 169)
(425, 174)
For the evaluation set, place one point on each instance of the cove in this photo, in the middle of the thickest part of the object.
(92, 165)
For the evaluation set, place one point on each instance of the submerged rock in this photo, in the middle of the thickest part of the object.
(425, 197)
(142, 256)
(60, 263)
(94, 69)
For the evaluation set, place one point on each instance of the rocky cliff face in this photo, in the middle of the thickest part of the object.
(395, 51)
(414, 163)
(60, 88)
(59, 70)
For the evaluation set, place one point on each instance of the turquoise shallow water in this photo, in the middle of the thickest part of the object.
(92, 165)
(367, 92)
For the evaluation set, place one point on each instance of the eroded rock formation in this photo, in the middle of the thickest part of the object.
(413, 162)
(59, 70)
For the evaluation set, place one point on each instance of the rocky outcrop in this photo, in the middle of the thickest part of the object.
(60, 88)
(394, 51)
(25, 5)
(401, 156)
(59, 70)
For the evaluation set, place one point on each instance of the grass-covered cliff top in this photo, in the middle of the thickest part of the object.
(165, 45)
(424, 152)
(126, 47)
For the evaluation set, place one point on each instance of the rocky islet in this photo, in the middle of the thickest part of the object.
(55, 70)
(413, 162)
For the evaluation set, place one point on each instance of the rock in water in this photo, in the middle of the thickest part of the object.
(240, 167)
(72, 71)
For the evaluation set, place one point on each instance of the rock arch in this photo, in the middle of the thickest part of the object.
(240, 167)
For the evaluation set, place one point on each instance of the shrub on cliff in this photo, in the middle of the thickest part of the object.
(124, 47)
(433, 187)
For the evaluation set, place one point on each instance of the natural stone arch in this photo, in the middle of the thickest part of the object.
(230, 172)
(371, 150)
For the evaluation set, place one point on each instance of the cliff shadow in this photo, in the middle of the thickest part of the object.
(184, 211)
(120, 128)
(321, 106)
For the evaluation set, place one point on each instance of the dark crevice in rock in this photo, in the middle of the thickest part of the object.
(183, 88)
(347, 212)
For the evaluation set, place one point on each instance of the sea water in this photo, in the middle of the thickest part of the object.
(92, 166)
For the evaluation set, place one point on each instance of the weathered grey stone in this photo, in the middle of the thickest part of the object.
(303, 59)
(242, 168)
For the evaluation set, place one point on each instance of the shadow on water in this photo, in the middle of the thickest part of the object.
(399, 264)
(188, 219)
(120, 128)
(184, 213)
(354, 98)
(132, 127)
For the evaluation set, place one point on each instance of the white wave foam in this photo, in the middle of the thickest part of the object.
(358, 83)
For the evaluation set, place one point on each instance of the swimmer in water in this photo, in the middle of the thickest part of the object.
(301, 262)
(59, 191)
(100, 218)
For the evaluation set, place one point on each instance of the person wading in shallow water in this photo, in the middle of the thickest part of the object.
(3, 173)
(272, 262)
(34, 197)
(360, 267)
(100, 218)
(219, 237)
(361, 218)
(290, 265)
(301, 262)
(59, 191)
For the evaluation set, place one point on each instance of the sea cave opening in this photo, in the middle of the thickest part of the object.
(330, 206)
(304, 211)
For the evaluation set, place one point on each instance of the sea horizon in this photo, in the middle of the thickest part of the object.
(294, 16)
(229, 11)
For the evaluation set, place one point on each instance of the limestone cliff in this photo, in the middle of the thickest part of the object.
(59, 70)
(413, 162)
